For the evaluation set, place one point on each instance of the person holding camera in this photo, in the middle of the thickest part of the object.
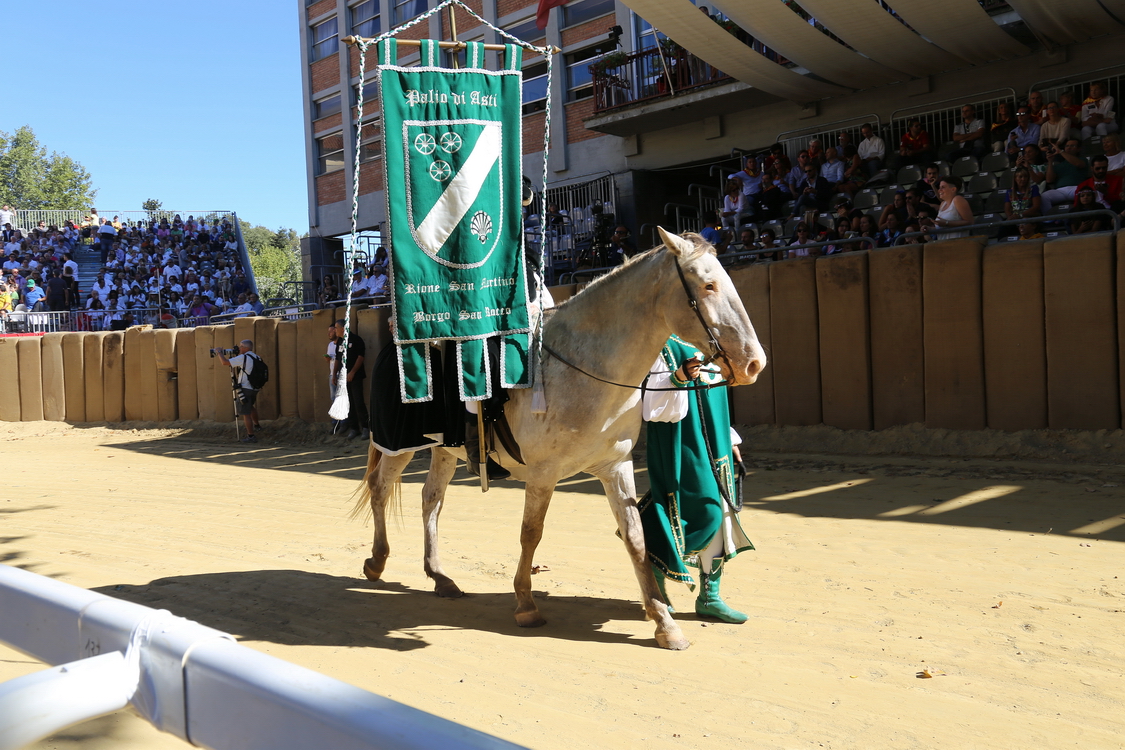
(242, 365)
(1066, 169)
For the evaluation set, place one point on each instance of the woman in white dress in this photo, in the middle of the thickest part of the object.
(954, 210)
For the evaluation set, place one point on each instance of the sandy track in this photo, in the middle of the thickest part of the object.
(868, 571)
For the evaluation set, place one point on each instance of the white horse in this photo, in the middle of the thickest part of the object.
(613, 330)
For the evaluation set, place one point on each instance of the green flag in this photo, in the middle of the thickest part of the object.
(453, 185)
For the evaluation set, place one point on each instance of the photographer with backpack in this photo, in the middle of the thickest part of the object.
(249, 375)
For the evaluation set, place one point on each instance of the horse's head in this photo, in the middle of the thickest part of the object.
(706, 281)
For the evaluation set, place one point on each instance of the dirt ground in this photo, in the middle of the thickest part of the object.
(997, 576)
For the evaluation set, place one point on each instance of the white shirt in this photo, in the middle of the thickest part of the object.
(245, 364)
(244, 310)
(103, 288)
(5, 218)
(872, 147)
(1117, 161)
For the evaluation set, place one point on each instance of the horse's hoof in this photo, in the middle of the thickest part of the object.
(675, 642)
(372, 570)
(530, 619)
(448, 590)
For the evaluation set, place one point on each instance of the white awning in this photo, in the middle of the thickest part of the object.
(961, 27)
(698, 34)
(867, 28)
(779, 28)
(1066, 21)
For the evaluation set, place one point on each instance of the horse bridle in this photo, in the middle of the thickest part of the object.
(716, 349)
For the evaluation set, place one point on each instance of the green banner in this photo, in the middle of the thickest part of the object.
(453, 192)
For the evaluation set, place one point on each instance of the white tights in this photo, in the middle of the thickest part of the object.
(715, 550)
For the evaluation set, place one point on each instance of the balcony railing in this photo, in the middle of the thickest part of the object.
(622, 80)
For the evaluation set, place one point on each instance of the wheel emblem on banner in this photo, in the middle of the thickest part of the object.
(450, 143)
(425, 144)
(440, 171)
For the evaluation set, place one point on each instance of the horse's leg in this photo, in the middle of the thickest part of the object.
(442, 466)
(622, 494)
(537, 498)
(382, 484)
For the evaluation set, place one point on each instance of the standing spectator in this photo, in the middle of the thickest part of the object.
(351, 356)
(1065, 170)
(1097, 112)
(914, 148)
(58, 292)
(621, 248)
(872, 150)
(330, 357)
(1055, 127)
(968, 134)
(106, 233)
(1022, 199)
(1035, 107)
(7, 215)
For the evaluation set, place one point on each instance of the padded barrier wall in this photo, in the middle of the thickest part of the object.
(93, 360)
(753, 404)
(265, 346)
(166, 399)
(794, 328)
(1015, 352)
(113, 375)
(308, 346)
(286, 371)
(897, 351)
(10, 376)
(73, 377)
(314, 360)
(146, 349)
(54, 389)
(187, 394)
(205, 372)
(953, 334)
(1081, 318)
(845, 340)
(31, 378)
(134, 373)
(221, 375)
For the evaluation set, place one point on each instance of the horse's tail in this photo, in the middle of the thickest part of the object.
(362, 494)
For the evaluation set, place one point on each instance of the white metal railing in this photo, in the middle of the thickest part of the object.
(19, 321)
(940, 121)
(186, 679)
(796, 141)
(28, 219)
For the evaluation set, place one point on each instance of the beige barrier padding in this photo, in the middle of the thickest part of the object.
(243, 330)
(31, 378)
(113, 375)
(205, 372)
(93, 359)
(845, 348)
(562, 293)
(953, 334)
(313, 357)
(265, 346)
(166, 378)
(222, 383)
(794, 325)
(54, 388)
(1015, 345)
(286, 370)
(310, 346)
(375, 332)
(1121, 319)
(74, 381)
(187, 376)
(10, 377)
(753, 404)
(898, 394)
(1079, 283)
(134, 377)
(146, 344)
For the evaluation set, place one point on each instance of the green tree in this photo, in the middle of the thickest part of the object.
(275, 258)
(30, 179)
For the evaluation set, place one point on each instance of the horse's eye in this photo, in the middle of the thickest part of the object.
(709, 287)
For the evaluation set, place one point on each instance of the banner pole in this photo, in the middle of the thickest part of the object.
(353, 40)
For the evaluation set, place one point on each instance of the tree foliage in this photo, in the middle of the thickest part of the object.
(275, 257)
(30, 179)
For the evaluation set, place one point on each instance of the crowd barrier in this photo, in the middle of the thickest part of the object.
(186, 679)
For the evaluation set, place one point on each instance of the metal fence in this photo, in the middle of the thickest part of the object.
(579, 232)
(797, 140)
(28, 219)
(1078, 86)
(621, 80)
(939, 121)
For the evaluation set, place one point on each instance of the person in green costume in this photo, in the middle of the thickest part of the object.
(689, 518)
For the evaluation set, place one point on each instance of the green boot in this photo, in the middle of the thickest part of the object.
(660, 585)
(709, 604)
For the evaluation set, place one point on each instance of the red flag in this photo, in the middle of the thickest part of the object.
(545, 10)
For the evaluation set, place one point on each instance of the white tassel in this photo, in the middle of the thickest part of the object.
(341, 407)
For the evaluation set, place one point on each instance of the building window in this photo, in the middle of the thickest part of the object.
(527, 32)
(325, 107)
(405, 10)
(644, 34)
(371, 143)
(330, 153)
(585, 10)
(365, 19)
(579, 79)
(324, 39)
(535, 88)
(370, 93)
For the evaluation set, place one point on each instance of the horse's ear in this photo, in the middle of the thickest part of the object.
(677, 244)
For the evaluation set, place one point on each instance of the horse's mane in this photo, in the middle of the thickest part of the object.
(701, 247)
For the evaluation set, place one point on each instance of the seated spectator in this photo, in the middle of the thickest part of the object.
(802, 236)
(1097, 112)
(927, 187)
(777, 160)
(255, 303)
(1031, 156)
(816, 152)
(767, 240)
(381, 258)
(913, 204)
(855, 172)
(1055, 127)
(954, 210)
(1022, 199)
(833, 170)
(890, 230)
(1065, 170)
(751, 179)
(1070, 109)
(710, 231)
(1030, 231)
(736, 206)
(94, 307)
(1107, 188)
(911, 232)
(843, 140)
(1112, 146)
(201, 309)
(1035, 108)
(1023, 134)
(914, 147)
(868, 229)
(775, 194)
(244, 309)
(968, 134)
(1086, 199)
(872, 150)
(897, 208)
(746, 240)
(377, 281)
(845, 210)
(814, 192)
(796, 175)
(33, 296)
(842, 231)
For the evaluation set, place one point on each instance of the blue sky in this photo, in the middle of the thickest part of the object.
(196, 104)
